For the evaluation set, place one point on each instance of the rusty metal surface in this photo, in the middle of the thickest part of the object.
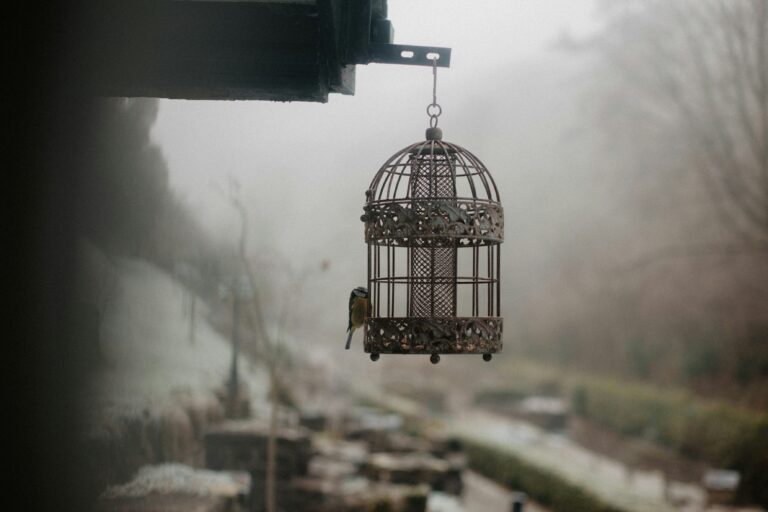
(434, 222)
(447, 335)
(472, 179)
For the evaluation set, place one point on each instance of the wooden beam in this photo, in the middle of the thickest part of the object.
(204, 50)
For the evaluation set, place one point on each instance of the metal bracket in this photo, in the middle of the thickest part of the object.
(408, 54)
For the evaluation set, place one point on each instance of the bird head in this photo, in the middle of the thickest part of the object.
(360, 291)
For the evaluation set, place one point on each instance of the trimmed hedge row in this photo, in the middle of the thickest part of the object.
(543, 486)
(503, 467)
(719, 434)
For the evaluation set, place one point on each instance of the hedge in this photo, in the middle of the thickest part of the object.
(541, 485)
(716, 433)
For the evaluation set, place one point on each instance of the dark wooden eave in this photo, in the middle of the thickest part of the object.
(263, 50)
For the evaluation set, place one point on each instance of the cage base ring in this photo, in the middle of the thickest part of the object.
(433, 335)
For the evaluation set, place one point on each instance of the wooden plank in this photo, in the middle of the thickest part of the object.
(206, 50)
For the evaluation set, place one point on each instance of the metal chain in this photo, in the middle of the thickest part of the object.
(434, 81)
(434, 109)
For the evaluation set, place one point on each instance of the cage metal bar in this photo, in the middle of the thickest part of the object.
(498, 279)
(388, 281)
(488, 290)
(455, 306)
(482, 176)
(397, 158)
(408, 273)
(378, 285)
(394, 272)
(486, 176)
(474, 304)
(477, 285)
(370, 274)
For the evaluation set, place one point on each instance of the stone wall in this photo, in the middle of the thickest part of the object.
(117, 446)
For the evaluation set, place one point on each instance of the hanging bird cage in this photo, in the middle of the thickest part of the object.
(433, 224)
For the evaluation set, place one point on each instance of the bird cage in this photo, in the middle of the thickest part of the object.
(433, 225)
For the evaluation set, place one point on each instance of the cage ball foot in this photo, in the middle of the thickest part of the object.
(487, 357)
(434, 358)
(375, 356)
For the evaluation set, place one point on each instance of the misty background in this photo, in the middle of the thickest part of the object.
(615, 258)
(629, 143)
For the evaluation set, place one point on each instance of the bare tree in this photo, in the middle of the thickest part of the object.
(276, 355)
(698, 71)
(679, 92)
(240, 292)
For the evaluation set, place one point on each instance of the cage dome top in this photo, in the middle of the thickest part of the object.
(433, 193)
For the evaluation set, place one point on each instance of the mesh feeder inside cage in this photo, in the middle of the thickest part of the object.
(433, 224)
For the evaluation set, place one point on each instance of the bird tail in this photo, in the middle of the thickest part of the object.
(349, 338)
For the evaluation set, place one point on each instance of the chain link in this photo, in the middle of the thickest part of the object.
(434, 109)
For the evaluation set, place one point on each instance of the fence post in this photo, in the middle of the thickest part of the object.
(518, 503)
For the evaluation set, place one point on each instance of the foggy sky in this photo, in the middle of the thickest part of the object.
(304, 167)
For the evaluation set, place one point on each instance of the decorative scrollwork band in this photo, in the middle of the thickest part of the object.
(433, 222)
(435, 335)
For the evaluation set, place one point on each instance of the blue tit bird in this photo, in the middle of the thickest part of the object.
(359, 309)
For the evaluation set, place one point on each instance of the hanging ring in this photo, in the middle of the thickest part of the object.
(434, 110)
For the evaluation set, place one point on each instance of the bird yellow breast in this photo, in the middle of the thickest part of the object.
(359, 310)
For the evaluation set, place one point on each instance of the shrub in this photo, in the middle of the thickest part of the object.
(716, 433)
(543, 486)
